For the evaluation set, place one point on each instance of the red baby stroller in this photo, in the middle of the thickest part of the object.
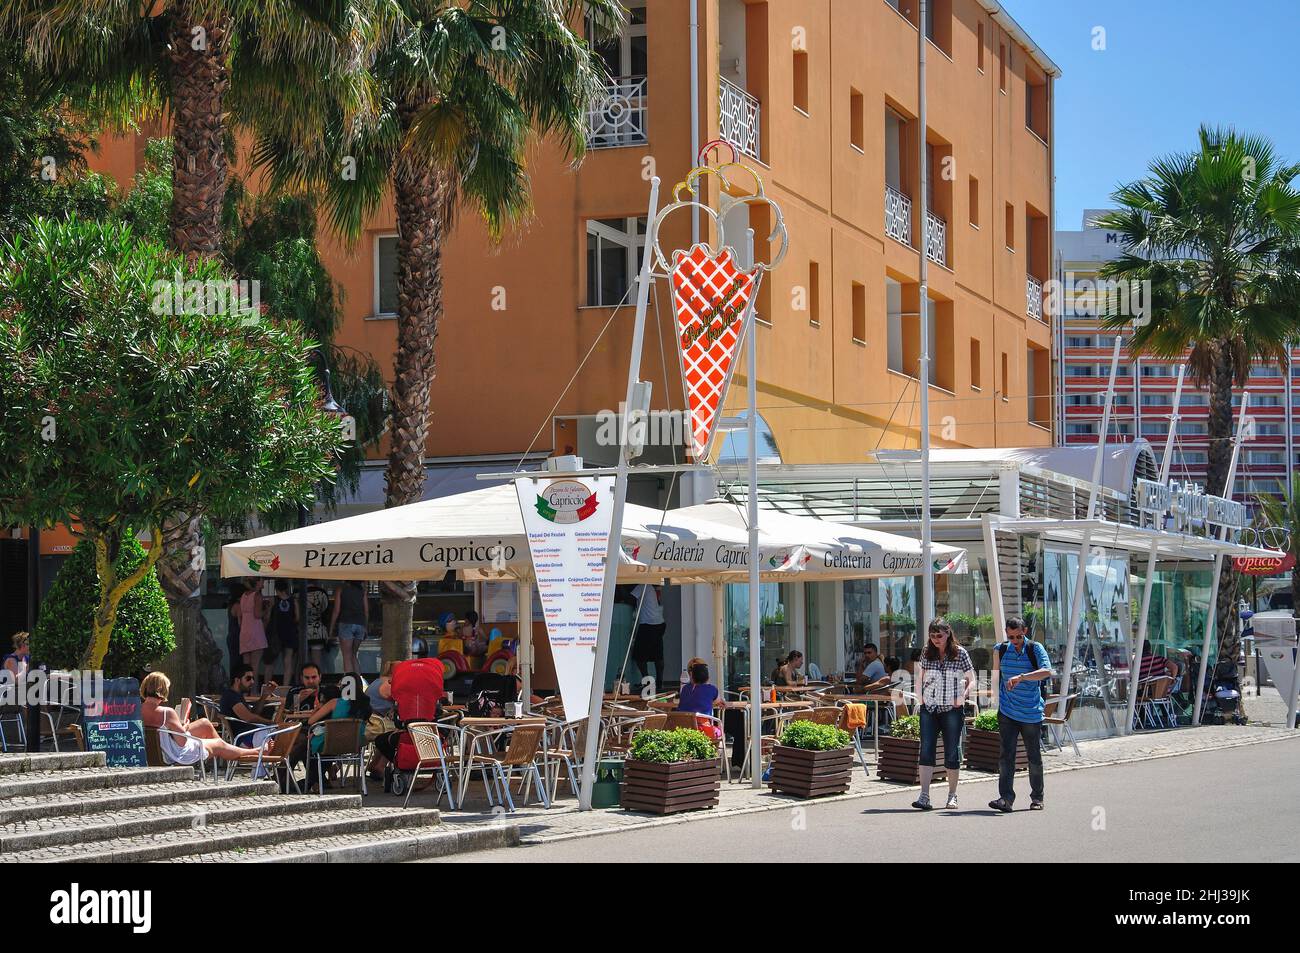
(416, 690)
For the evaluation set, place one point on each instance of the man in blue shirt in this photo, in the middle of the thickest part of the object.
(1020, 665)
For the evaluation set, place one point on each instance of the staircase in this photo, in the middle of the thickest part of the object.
(71, 808)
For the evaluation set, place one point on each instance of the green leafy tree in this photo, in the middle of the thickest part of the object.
(1216, 232)
(142, 633)
(460, 89)
(126, 406)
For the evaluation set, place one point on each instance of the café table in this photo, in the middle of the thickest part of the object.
(472, 732)
(875, 699)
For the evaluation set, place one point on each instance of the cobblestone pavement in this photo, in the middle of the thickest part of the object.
(563, 820)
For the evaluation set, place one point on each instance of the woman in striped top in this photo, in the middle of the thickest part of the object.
(947, 678)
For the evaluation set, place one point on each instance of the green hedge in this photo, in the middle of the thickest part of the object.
(142, 635)
(814, 737)
(909, 726)
(664, 747)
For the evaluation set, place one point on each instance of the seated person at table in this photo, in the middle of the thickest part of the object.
(305, 696)
(788, 672)
(205, 740)
(234, 707)
(347, 699)
(871, 675)
(698, 696)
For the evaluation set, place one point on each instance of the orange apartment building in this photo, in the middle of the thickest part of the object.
(821, 96)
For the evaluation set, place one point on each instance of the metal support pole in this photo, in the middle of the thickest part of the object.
(1134, 669)
(995, 578)
(719, 633)
(926, 605)
(1080, 582)
(755, 628)
(620, 499)
(1212, 616)
(524, 612)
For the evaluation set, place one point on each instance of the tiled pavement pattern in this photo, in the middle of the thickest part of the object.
(563, 821)
(69, 807)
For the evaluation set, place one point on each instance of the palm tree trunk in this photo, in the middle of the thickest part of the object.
(1221, 430)
(200, 76)
(422, 199)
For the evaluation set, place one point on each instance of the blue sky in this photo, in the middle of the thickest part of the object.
(1167, 67)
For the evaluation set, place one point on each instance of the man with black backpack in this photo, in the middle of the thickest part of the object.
(1021, 665)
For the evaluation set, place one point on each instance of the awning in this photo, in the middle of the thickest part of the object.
(1123, 536)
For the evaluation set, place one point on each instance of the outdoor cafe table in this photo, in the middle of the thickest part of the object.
(474, 729)
(875, 700)
(779, 707)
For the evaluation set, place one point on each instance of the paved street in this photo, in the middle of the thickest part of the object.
(1183, 808)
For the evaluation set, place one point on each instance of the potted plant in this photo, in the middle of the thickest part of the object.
(671, 771)
(812, 760)
(900, 752)
(984, 744)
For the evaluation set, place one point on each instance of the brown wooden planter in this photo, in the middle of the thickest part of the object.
(805, 773)
(984, 748)
(670, 788)
(900, 758)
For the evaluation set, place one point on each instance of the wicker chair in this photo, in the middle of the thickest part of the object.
(522, 755)
(826, 715)
(343, 742)
(1055, 723)
(275, 756)
(432, 757)
(568, 751)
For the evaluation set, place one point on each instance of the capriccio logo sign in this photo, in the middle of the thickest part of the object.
(566, 501)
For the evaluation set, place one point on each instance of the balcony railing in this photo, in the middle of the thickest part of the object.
(619, 117)
(936, 238)
(1033, 297)
(738, 118)
(898, 216)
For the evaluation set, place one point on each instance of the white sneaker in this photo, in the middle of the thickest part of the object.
(952, 802)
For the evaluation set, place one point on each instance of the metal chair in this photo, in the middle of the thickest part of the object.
(521, 755)
(154, 757)
(274, 754)
(343, 743)
(433, 757)
(62, 721)
(1060, 723)
(14, 715)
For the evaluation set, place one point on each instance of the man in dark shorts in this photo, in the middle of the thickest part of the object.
(648, 640)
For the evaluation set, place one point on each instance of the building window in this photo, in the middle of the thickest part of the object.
(938, 25)
(975, 377)
(1011, 227)
(613, 258)
(857, 120)
(894, 326)
(859, 313)
(801, 81)
(979, 48)
(814, 294)
(1036, 103)
(1006, 375)
(1078, 342)
(1081, 430)
(618, 117)
(974, 201)
(385, 302)
(1002, 67)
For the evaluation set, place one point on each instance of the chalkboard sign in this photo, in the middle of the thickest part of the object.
(113, 726)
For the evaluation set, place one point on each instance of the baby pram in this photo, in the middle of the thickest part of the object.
(417, 689)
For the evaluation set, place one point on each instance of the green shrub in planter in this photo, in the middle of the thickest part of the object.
(986, 720)
(142, 634)
(909, 726)
(814, 737)
(666, 747)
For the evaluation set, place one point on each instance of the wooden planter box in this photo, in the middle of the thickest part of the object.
(670, 788)
(805, 773)
(900, 757)
(984, 748)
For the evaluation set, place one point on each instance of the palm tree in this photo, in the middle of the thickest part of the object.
(1216, 232)
(1284, 513)
(181, 59)
(462, 87)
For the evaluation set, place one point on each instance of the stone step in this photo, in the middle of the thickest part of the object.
(30, 834)
(394, 847)
(31, 783)
(11, 764)
(73, 804)
(311, 827)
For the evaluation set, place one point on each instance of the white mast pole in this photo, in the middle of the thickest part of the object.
(1134, 667)
(755, 632)
(1080, 581)
(926, 605)
(620, 499)
(1212, 617)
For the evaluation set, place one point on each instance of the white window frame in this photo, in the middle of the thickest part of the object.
(633, 250)
(374, 277)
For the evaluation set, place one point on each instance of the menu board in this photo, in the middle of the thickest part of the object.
(113, 724)
(568, 524)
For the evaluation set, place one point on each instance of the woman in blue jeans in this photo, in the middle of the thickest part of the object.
(947, 678)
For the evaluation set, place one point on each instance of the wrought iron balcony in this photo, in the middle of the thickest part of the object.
(619, 117)
(738, 118)
(898, 216)
(1033, 297)
(936, 238)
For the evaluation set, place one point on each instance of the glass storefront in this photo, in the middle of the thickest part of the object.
(774, 606)
(1180, 599)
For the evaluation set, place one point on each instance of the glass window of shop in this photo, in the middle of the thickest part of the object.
(1180, 599)
(775, 633)
(1103, 646)
(963, 600)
